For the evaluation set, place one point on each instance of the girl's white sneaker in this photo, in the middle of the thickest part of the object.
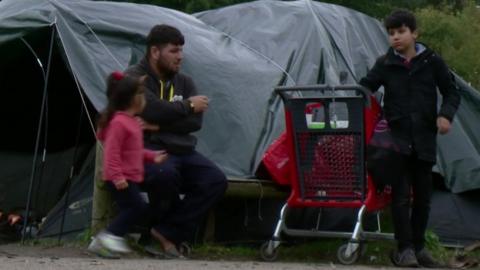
(96, 248)
(113, 243)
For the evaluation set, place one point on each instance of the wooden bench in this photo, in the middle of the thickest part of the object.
(102, 210)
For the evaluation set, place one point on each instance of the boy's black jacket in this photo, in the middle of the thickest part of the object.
(176, 119)
(410, 102)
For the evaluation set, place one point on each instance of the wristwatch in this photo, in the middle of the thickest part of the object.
(192, 106)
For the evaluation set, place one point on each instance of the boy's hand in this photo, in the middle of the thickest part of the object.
(443, 125)
(122, 184)
(160, 156)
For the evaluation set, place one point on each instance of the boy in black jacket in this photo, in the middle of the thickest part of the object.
(411, 74)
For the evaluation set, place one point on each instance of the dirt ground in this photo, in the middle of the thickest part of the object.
(19, 257)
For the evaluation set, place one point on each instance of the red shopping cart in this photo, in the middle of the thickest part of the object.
(326, 134)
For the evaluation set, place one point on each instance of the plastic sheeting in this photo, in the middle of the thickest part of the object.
(73, 212)
(458, 158)
(455, 218)
(314, 42)
(236, 55)
(99, 37)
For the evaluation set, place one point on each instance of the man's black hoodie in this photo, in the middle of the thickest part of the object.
(175, 119)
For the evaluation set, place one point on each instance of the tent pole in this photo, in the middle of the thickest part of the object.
(46, 112)
(45, 139)
(44, 156)
(72, 171)
(37, 141)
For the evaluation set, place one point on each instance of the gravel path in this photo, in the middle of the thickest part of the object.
(17, 257)
(21, 263)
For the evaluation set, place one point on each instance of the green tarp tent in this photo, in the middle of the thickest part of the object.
(236, 55)
(315, 41)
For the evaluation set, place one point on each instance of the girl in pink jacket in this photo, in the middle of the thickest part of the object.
(120, 131)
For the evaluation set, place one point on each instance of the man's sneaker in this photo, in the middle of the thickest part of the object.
(426, 260)
(171, 253)
(404, 258)
(96, 248)
(113, 243)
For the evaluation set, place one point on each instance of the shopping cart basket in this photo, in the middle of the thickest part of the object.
(326, 130)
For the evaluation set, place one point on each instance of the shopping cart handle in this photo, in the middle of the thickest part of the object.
(285, 91)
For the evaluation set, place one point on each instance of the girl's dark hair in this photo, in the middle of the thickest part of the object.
(401, 17)
(121, 90)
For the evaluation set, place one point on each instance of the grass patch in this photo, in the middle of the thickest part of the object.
(79, 240)
(310, 251)
(324, 250)
(377, 253)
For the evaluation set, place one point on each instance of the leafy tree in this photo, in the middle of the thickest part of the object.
(189, 6)
(455, 36)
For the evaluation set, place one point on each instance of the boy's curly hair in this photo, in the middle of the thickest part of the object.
(401, 17)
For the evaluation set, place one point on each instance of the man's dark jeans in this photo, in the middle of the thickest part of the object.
(200, 181)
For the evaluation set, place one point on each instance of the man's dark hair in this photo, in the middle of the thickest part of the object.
(401, 17)
(161, 35)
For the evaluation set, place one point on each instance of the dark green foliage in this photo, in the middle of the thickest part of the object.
(188, 6)
(378, 8)
(455, 36)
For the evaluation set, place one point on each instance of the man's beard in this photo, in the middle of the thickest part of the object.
(163, 68)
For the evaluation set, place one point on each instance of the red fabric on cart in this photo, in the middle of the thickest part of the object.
(372, 116)
(277, 160)
(375, 200)
(279, 157)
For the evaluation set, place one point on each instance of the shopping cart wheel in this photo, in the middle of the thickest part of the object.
(268, 255)
(185, 249)
(347, 260)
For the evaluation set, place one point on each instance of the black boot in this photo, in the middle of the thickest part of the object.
(404, 258)
(425, 259)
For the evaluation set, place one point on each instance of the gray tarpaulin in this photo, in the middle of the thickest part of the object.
(314, 41)
(99, 37)
(236, 55)
(458, 158)
(455, 218)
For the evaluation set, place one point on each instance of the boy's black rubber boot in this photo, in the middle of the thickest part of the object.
(404, 258)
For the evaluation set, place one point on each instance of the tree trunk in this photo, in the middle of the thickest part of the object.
(102, 210)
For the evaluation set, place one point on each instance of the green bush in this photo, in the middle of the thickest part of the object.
(455, 36)
(432, 242)
(451, 28)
